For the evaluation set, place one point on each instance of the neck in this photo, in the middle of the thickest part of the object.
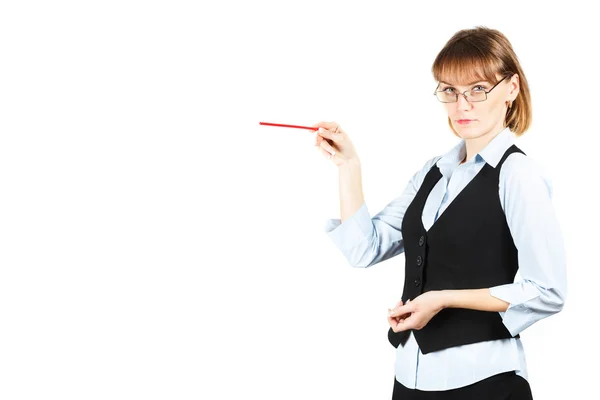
(475, 145)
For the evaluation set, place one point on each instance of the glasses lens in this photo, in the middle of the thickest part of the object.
(446, 97)
(476, 95)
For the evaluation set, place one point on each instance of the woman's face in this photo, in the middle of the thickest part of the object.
(474, 119)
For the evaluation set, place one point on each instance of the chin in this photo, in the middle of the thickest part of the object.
(466, 132)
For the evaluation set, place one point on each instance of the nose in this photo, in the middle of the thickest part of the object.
(462, 102)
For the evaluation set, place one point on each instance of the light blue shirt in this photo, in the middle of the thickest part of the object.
(539, 288)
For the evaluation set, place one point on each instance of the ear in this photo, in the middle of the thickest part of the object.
(514, 86)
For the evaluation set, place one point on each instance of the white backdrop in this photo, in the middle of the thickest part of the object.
(157, 243)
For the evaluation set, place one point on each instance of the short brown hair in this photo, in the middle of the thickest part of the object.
(479, 54)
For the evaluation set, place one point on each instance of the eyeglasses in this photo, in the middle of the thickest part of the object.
(472, 97)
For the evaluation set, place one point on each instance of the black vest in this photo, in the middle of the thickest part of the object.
(468, 247)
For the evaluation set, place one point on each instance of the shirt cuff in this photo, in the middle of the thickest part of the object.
(353, 231)
(515, 293)
(517, 316)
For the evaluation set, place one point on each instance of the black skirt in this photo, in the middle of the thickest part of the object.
(504, 386)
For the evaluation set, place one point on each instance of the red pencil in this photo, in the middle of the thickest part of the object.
(290, 126)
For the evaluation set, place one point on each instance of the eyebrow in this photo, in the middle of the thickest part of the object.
(468, 84)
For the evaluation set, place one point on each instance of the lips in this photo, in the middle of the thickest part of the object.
(465, 121)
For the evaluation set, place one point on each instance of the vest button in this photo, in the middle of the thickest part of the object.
(419, 261)
(421, 240)
(417, 282)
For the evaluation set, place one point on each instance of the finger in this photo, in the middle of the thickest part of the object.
(403, 326)
(405, 319)
(329, 134)
(330, 125)
(398, 328)
(317, 125)
(394, 311)
(325, 145)
(402, 305)
(398, 304)
(318, 140)
(405, 309)
(400, 317)
(393, 322)
(324, 153)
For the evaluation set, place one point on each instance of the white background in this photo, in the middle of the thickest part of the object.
(157, 243)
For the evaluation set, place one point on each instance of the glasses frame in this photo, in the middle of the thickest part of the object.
(464, 95)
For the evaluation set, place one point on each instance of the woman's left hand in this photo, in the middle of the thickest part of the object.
(417, 313)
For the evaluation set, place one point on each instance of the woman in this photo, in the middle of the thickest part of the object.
(468, 222)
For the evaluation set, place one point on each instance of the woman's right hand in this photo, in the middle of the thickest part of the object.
(334, 143)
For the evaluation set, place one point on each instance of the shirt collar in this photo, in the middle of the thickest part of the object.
(491, 154)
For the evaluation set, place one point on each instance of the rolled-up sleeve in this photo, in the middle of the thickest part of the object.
(526, 194)
(366, 241)
(356, 229)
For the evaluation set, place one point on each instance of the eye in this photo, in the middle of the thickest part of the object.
(448, 90)
(479, 88)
